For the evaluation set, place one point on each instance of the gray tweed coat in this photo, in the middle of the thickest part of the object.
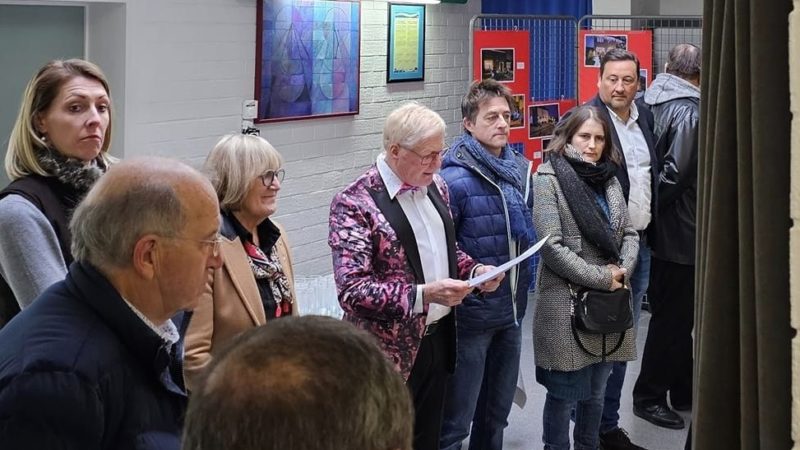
(567, 255)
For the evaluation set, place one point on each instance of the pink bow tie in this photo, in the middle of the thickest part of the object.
(408, 188)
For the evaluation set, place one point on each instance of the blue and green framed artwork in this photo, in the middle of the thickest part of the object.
(406, 55)
(307, 59)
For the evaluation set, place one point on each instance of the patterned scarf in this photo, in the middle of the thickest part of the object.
(269, 267)
(579, 181)
(72, 172)
(505, 172)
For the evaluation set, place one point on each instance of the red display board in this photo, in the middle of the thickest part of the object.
(504, 56)
(592, 44)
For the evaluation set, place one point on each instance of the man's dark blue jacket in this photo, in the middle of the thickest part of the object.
(80, 370)
(482, 231)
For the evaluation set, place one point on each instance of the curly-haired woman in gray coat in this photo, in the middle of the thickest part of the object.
(579, 203)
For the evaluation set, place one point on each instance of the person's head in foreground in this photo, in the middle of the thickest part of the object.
(300, 383)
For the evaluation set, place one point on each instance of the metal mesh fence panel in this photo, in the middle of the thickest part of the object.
(552, 55)
(667, 31)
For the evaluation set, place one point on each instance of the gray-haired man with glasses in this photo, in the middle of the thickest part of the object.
(397, 268)
(96, 361)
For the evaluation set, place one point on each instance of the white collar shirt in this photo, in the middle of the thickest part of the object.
(637, 161)
(428, 232)
(167, 331)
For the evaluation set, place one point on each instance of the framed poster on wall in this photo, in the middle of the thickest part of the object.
(406, 53)
(307, 58)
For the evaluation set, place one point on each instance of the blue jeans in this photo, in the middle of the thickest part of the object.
(482, 388)
(639, 282)
(557, 411)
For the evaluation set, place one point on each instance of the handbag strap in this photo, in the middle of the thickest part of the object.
(574, 297)
(603, 354)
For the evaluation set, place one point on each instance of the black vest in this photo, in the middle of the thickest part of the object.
(56, 201)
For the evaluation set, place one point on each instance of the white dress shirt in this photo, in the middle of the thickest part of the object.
(637, 161)
(428, 231)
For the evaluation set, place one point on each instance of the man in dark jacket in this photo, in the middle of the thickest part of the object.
(674, 97)
(631, 126)
(491, 204)
(95, 362)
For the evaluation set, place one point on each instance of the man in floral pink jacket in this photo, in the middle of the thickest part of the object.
(397, 269)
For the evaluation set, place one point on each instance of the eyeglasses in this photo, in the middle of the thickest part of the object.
(427, 159)
(269, 177)
(214, 244)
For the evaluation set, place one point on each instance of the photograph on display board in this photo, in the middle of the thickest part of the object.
(545, 144)
(542, 120)
(518, 111)
(596, 45)
(642, 83)
(498, 63)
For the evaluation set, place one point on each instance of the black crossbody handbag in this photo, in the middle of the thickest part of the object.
(601, 312)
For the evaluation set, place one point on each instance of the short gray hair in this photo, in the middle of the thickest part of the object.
(107, 224)
(685, 61)
(235, 162)
(411, 123)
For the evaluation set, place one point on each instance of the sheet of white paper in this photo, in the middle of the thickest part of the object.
(502, 268)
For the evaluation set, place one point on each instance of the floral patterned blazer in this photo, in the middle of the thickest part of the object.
(377, 266)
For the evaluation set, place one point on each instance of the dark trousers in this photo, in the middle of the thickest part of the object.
(428, 384)
(481, 391)
(639, 280)
(667, 358)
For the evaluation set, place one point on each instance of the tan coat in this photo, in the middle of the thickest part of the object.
(230, 305)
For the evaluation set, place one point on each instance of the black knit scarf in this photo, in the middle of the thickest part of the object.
(578, 181)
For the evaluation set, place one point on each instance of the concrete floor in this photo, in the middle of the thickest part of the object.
(524, 431)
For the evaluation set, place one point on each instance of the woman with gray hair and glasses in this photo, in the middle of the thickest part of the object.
(256, 282)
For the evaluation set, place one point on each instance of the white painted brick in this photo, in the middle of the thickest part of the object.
(374, 17)
(436, 47)
(189, 65)
(317, 266)
(455, 47)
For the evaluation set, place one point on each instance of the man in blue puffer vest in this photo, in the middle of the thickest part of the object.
(491, 202)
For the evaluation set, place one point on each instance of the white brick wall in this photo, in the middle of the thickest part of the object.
(328, 165)
(188, 64)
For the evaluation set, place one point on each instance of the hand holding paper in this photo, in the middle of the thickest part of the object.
(489, 274)
(492, 284)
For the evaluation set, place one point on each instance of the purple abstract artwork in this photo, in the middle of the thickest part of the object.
(308, 61)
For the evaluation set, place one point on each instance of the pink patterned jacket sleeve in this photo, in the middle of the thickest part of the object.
(375, 283)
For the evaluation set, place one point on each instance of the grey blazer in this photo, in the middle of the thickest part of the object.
(568, 256)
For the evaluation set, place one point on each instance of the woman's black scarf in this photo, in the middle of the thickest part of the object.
(579, 180)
